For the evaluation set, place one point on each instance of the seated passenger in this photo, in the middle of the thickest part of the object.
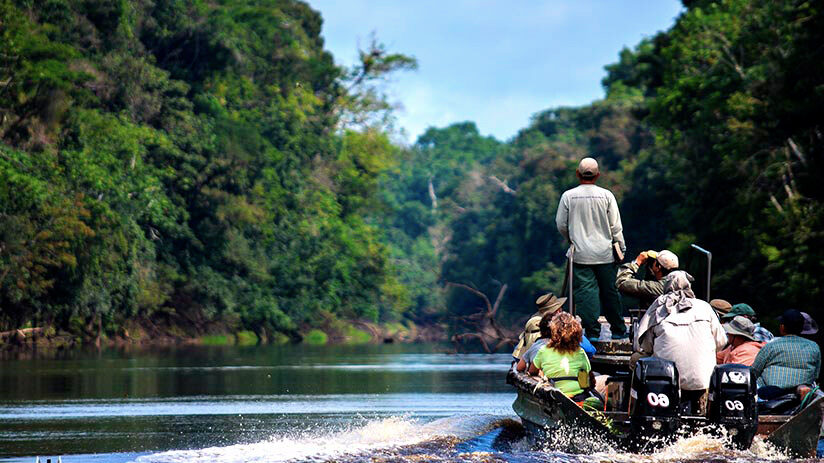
(742, 346)
(788, 361)
(760, 334)
(685, 330)
(810, 326)
(721, 307)
(659, 263)
(526, 360)
(546, 304)
(562, 360)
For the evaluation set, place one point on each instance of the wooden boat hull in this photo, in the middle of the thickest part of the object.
(551, 417)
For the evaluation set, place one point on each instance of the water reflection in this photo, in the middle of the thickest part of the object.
(272, 370)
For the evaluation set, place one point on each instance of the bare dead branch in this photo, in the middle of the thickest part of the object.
(502, 184)
(776, 204)
(432, 196)
(487, 329)
(473, 291)
(498, 299)
(797, 151)
(504, 342)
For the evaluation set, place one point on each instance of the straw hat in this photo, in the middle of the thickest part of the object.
(548, 303)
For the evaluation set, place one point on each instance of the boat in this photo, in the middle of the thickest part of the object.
(551, 417)
(643, 408)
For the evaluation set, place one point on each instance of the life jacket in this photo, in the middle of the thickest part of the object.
(584, 383)
(582, 378)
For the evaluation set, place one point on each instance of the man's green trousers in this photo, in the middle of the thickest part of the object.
(595, 294)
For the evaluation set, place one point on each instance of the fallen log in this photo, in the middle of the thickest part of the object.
(21, 333)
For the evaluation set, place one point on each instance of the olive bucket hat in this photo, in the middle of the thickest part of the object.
(740, 326)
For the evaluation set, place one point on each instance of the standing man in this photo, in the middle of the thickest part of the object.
(588, 218)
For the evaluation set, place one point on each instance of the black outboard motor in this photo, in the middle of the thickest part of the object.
(654, 398)
(732, 402)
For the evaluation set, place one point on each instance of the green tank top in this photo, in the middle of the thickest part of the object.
(555, 364)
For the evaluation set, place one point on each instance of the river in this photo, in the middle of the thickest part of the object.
(387, 403)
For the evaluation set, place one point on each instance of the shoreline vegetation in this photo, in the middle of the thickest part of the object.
(147, 335)
(198, 171)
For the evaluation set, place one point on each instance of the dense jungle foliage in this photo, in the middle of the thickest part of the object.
(195, 164)
(184, 162)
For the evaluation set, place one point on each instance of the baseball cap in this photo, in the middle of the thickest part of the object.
(588, 168)
(667, 259)
(721, 306)
(740, 309)
(792, 320)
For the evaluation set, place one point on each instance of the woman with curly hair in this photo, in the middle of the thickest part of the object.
(543, 327)
(563, 357)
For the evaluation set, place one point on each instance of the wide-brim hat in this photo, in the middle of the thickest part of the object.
(549, 303)
(810, 326)
(741, 326)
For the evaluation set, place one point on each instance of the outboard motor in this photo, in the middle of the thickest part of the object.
(732, 402)
(654, 398)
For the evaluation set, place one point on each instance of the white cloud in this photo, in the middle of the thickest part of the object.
(493, 62)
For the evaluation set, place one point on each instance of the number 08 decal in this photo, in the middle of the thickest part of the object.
(658, 400)
(734, 405)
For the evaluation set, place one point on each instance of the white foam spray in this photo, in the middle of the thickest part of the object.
(321, 445)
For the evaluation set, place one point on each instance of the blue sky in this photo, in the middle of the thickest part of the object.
(492, 62)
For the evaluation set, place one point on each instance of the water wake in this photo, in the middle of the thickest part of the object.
(459, 439)
(699, 447)
(322, 445)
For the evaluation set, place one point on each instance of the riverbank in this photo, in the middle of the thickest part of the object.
(145, 333)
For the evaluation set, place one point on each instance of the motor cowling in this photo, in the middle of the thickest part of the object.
(654, 398)
(731, 404)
